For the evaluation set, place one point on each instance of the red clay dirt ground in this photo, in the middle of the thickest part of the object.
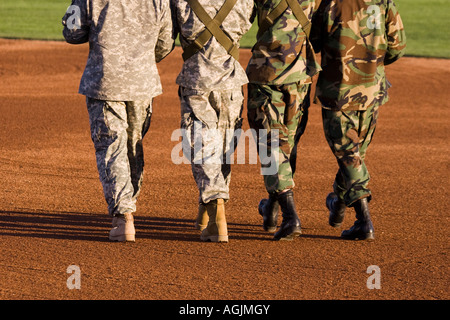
(53, 215)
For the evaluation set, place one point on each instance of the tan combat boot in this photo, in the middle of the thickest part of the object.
(216, 231)
(123, 228)
(202, 217)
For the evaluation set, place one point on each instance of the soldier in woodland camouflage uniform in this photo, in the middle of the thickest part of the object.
(126, 39)
(357, 39)
(210, 91)
(279, 73)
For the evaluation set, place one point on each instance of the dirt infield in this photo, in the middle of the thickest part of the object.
(53, 214)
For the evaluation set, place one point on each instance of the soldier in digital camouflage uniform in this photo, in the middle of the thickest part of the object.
(126, 39)
(357, 38)
(280, 72)
(210, 91)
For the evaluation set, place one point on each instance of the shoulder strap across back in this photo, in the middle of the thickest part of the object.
(212, 29)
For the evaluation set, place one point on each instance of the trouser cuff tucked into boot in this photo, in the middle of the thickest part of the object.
(290, 226)
(363, 227)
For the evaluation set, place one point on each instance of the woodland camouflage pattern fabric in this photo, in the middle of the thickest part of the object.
(212, 67)
(282, 109)
(280, 72)
(126, 39)
(356, 39)
(349, 133)
(282, 54)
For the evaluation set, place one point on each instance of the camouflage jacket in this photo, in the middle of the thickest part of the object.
(282, 54)
(126, 39)
(356, 39)
(212, 67)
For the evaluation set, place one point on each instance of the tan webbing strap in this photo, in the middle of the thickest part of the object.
(271, 17)
(278, 11)
(300, 15)
(212, 29)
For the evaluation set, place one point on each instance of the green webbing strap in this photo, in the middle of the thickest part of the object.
(278, 11)
(212, 29)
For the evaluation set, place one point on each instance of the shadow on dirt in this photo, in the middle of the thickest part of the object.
(95, 227)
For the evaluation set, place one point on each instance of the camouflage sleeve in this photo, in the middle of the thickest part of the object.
(76, 22)
(395, 34)
(166, 38)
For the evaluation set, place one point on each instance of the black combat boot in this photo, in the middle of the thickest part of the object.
(363, 228)
(337, 210)
(290, 226)
(268, 209)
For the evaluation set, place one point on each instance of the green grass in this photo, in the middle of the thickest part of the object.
(427, 27)
(426, 23)
(32, 19)
(248, 40)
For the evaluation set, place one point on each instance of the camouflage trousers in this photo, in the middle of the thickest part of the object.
(284, 108)
(117, 130)
(348, 134)
(208, 122)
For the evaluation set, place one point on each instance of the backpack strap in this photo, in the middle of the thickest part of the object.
(279, 10)
(212, 29)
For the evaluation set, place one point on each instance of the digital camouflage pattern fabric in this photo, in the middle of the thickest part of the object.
(117, 131)
(349, 133)
(282, 54)
(208, 123)
(283, 108)
(126, 39)
(211, 95)
(356, 39)
(212, 68)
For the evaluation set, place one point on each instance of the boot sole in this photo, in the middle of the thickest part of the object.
(367, 237)
(334, 224)
(269, 229)
(290, 236)
(123, 238)
(214, 238)
(200, 227)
